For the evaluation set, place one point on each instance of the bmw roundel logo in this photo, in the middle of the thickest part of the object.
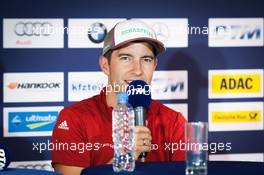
(97, 33)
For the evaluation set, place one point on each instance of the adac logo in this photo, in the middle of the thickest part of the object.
(236, 116)
(31, 121)
(237, 83)
(98, 33)
(43, 86)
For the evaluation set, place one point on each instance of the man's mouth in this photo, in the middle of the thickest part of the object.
(128, 81)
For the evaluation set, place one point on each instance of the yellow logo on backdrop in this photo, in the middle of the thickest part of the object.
(236, 116)
(238, 83)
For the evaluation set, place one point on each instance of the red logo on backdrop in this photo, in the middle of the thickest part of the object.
(26, 42)
(12, 85)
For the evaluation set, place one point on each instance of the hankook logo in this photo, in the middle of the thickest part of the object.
(33, 87)
(14, 85)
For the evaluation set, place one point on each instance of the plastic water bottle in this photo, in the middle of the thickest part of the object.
(123, 124)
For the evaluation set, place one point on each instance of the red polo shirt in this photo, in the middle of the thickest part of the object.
(82, 135)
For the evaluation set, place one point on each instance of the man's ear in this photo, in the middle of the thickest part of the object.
(103, 62)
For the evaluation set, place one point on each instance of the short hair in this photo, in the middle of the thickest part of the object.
(109, 53)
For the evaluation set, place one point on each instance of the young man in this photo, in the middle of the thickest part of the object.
(84, 130)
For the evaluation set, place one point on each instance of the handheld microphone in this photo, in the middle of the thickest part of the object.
(4, 157)
(139, 96)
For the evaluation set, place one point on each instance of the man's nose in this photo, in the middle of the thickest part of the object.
(137, 68)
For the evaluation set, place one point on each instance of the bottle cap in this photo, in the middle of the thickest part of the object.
(122, 97)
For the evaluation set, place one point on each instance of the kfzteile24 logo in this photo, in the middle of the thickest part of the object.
(243, 83)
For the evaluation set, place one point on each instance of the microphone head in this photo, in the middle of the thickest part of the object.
(139, 94)
(4, 157)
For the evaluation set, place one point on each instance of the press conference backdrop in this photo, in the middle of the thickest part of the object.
(211, 71)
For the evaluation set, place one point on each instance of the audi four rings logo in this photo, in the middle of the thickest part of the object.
(33, 29)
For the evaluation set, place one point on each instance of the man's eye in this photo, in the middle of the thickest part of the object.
(148, 60)
(124, 58)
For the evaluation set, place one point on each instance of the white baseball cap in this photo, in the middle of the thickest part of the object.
(129, 31)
